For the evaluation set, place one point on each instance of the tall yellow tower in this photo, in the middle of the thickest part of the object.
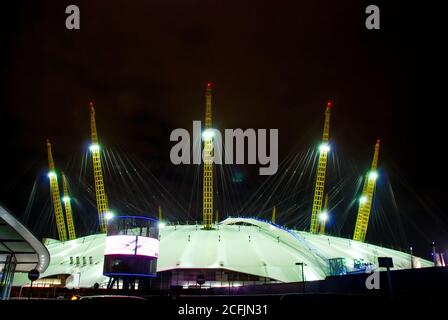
(101, 197)
(68, 208)
(207, 136)
(324, 148)
(365, 202)
(274, 214)
(56, 196)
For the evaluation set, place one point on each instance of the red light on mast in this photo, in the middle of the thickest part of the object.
(329, 104)
(209, 85)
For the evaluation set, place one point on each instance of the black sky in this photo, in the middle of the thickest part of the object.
(272, 64)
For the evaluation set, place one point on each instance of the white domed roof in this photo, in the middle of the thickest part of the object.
(244, 245)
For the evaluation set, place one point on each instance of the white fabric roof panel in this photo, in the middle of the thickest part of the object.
(257, 248)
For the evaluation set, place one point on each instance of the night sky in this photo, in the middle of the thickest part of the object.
(273, 65)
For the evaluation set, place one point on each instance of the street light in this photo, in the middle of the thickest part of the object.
(324, 148)
(94, 147)
(208, 134)
(109, 215)
(373, 175)
(303, 274)
(323, 216)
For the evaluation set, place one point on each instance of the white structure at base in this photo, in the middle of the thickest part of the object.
(245, 245)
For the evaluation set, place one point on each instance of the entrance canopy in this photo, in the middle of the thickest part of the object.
(17, 241)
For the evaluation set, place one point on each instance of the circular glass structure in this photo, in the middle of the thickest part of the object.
(131, 247)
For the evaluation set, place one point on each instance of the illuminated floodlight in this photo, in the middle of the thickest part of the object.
(162, 225)
(363, 199)
(109, 215)
(324, 147)
(208, 134)
(52, 174)
(94, 147)
(65, 198)
(323, 216)
(373, 175)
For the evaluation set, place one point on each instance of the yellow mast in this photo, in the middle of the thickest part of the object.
(324, 148)
(160, 213)
(323, 217)
(101, 197)
(274, 213)
(207, 195)
(56, 196)
(365, 202)
(68, 209)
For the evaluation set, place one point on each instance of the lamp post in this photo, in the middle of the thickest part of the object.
(303, 274)
(434, 257)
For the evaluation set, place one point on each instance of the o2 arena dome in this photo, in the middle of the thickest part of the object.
(238, 251)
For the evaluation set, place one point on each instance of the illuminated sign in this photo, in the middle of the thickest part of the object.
(148, 247)
(132, 245)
